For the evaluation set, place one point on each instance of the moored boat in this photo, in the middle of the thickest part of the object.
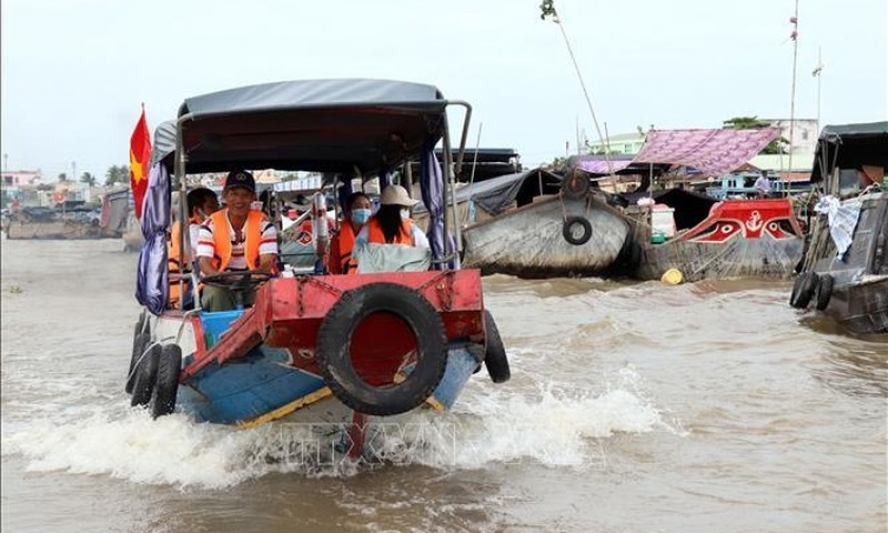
(70, 222)
(699, 236)
(537, 224)
(317, 347)
(735, 238)
(845, 269)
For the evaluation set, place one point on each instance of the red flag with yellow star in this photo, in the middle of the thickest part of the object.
(140, 162)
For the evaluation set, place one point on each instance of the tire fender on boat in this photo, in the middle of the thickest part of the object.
(140, 344)
(824, 292)
(141, 336)
(334, 348)
(803, 290)
(145, 376)
(567, 230)
(166, 386)
(495, 359)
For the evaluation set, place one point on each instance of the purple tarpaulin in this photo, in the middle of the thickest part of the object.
(715, 152)
(152, 278)
(601, 167)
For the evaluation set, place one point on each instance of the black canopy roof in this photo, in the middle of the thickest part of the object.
(850, 146)
(334, 125)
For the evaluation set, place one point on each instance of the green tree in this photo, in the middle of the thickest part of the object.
(88, 178)
(63, 177)
(117, 174)
(777, 146)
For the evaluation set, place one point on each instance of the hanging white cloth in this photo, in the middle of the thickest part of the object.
(842, 217)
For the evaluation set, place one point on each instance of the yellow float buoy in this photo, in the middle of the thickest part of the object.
(673, 276)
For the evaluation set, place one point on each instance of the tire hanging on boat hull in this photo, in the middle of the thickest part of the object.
(141, 340)
(145, 376)
(334, 348)
(166, 386)
(803, 289)
(495, 359)
(824, 292)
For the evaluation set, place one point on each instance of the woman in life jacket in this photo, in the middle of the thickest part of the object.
(392, 223)
(358, 211)
(202, 203)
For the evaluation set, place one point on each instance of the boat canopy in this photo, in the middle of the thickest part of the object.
(347, 126)
(850, 146)
(710, 151)
(495, 195)
(332, 125)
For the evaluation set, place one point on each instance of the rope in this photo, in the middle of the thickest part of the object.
(548, 9)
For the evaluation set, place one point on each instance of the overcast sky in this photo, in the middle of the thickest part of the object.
(74, 72)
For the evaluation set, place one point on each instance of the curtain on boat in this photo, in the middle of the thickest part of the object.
(152, 279)
(432, 186)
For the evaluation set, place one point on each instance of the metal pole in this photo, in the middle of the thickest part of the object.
(795, 54)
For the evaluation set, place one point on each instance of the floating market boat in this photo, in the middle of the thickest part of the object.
(350, 349)
(845, 268)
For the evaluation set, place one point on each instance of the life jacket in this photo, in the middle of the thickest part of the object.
(222, 238)
(344, 244)
(174, 247)
(404, 236)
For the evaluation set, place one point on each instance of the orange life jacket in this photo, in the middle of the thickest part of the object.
(174, 248)
(404, 236)
(341, 250)
(222, 238)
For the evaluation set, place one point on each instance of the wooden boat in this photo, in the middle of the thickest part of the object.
(70, 222)
(699, 236)
(735, 238)
(536, 224)
(353, 350)
(851, 286)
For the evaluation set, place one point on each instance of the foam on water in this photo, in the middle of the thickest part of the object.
(555, 427)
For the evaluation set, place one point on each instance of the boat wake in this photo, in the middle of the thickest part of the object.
(554, 427)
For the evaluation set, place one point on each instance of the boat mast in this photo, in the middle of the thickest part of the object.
(548, 10)
(795, 52)
(817, 71)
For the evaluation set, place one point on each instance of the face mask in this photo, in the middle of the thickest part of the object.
(405, 214)
(360, 215)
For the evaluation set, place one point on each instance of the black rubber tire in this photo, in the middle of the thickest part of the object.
(495, 359)
(146, 374)
(334, 348)
(140, 342)
(823, 292)
(576, 186)
(166, 386)
(803, 290)
(567, 230)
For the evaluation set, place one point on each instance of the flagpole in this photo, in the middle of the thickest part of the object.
(795, 54)
(817, 72)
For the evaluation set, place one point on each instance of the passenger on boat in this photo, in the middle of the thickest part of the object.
(392, 223)
(763, 185)
(234, 239)
(359, 211)
(202, 203)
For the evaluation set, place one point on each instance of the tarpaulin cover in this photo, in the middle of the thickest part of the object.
(602, 167)
(334, 125)
(715, 151)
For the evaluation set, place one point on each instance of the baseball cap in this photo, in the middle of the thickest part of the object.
(396, 195)
(240, 178)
